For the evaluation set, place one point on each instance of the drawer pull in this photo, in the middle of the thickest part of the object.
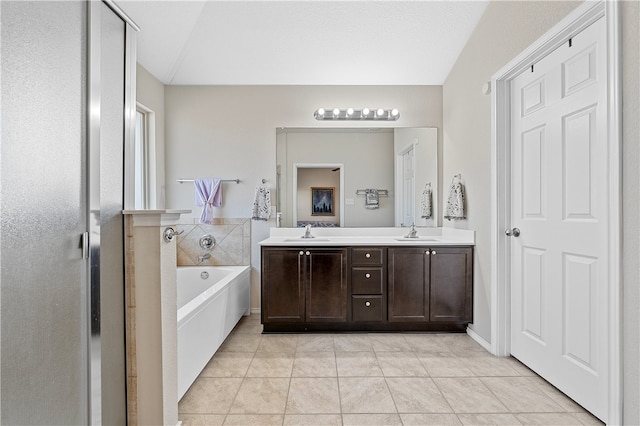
(367, 255)
(433, 252)
(367, 275)
(367, 303)
(308, 253)
(301, 253)
(427, 252)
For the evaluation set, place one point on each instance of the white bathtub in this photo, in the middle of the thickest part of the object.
(211, 301)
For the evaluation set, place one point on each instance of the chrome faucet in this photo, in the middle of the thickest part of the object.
(412, 232)
(307, 232)
(204, 257)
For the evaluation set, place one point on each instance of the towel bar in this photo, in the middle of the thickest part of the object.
(380, 191)
(221, 180)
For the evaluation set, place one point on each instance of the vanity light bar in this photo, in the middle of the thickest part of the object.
(356, 114)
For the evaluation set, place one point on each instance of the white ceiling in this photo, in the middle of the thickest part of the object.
(302, 42)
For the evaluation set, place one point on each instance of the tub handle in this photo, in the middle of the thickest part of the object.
(207, 242)
(169, 233)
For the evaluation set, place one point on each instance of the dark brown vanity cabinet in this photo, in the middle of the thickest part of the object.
(282, 285)
(430, 284)
(377, 288)
(368, 296)
(304, 285)
(409, 284)
(451, 290)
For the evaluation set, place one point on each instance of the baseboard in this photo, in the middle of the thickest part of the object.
(482, 342)
(255, 311)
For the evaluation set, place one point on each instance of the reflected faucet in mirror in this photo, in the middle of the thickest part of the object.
(307, 232)
(413, 233)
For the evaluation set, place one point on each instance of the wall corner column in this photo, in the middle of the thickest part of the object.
(151, 325)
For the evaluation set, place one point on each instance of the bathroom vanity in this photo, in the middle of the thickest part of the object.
(367, 279)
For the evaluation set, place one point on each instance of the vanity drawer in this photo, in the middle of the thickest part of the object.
(367, 256)
(366, 280)
(367, 308)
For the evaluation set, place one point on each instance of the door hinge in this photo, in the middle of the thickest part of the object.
(84, 242)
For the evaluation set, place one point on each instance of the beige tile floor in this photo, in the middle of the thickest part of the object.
(369, 379)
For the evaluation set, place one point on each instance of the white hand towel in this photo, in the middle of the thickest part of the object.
(455, 203)
(208, 195)
(261, 204)
(426, 201)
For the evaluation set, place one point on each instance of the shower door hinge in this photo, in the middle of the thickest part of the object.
(84, 242)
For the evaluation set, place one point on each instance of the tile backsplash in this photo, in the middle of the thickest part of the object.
(233, 242)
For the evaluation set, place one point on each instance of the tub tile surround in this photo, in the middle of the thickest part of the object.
(361, 379)
(233, 242)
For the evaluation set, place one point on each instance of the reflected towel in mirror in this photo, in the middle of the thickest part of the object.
(426, 202)
(372, 199)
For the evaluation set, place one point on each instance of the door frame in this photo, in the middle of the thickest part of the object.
(399, 177)
(583, 16)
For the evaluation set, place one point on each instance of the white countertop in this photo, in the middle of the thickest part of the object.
(325, 237)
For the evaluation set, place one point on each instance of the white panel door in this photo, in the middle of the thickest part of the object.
(559, 286)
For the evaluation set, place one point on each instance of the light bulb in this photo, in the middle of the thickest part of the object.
(394, 112)
(350, 112)
(365, 111)
(380, 112)
(336, 112)
(321, 112)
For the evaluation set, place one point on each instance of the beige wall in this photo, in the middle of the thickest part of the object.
(506, 29)
(230, 132)
(150, 93)
(630, 209)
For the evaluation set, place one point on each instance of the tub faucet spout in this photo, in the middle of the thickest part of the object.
(204, 257)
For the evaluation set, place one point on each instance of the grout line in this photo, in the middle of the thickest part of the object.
(335, 360)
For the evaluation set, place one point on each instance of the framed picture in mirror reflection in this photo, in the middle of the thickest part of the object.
(322, 201)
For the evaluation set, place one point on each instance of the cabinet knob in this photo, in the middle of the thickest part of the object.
(367, 303)
(367, 255)
(367, 275)
(308, 253)
(433, 252)
(301, 253)
(427, 252)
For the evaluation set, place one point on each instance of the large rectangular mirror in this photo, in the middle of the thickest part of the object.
(376, 176)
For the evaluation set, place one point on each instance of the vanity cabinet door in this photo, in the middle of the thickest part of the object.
(326, 288)
(451, 291)
(283, 278)
(408, 281)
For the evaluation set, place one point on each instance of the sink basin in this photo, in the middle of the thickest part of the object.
(417, 239)
(300, 239)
